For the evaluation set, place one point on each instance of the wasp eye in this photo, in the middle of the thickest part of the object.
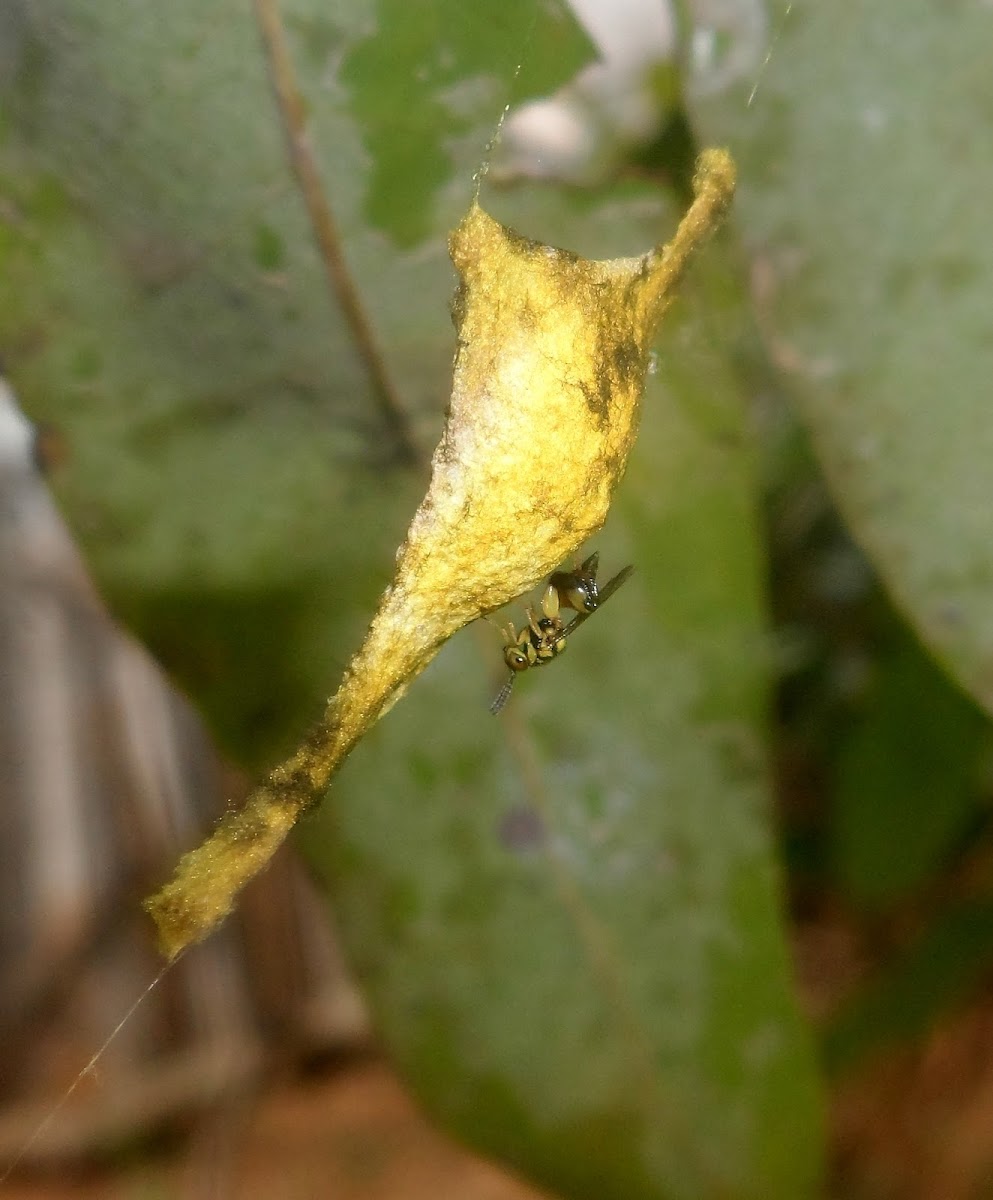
(517, 660)
(584, 598)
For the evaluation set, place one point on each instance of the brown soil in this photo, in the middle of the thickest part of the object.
(352, 1135)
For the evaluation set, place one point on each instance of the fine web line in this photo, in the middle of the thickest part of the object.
(58, 1105)
(494, 140)
(774, 42)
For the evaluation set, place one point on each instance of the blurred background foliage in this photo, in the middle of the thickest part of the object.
(569, 921)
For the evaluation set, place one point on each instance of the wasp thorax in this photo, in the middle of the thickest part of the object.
(578, 589)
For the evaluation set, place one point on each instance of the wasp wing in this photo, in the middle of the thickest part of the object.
(605, 593)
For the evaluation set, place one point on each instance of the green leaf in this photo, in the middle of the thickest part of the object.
(937, 972)
(407, 86)
(865, 185)
(567, 917)
(165, 307)
(908, 779)
(569, 928)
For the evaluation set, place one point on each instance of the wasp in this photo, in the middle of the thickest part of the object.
(544, 636)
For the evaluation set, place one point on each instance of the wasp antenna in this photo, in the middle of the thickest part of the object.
(503, 695)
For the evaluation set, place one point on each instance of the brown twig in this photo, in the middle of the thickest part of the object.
(293, 117)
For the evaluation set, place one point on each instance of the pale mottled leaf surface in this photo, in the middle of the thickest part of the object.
(865, 199)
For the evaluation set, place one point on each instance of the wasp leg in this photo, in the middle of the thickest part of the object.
(550, 603)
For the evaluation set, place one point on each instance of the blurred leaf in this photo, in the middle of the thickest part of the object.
(163, 304)
(952, 958)
(421, 79)
(908, 778)
(569, 929)
(567, 917)
(865, 193)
